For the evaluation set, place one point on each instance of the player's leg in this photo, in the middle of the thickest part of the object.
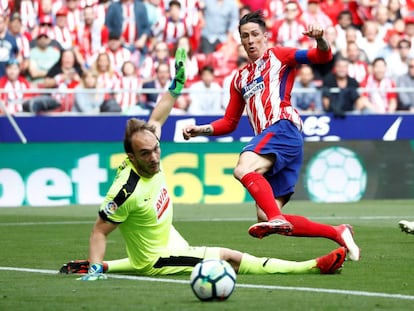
(244, 263)
(256, 159)
(342, 234)
(406, 226)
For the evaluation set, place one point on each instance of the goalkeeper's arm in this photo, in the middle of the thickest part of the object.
(164, 106)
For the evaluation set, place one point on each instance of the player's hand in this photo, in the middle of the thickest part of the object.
(314, 31)
(192, 131)
(95, 273)
(177, 84)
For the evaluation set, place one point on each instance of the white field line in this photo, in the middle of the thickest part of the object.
(40, 223)
(252, 286)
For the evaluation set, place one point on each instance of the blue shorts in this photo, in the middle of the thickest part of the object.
(285, 141)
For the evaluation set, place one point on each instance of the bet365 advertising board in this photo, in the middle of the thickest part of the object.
(42, 174)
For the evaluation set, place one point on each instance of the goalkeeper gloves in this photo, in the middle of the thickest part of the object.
(178, 82)
(95, 273)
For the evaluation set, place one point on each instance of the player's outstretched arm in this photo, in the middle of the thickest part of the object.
(163, 108)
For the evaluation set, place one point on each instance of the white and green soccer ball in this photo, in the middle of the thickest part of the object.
(335, 174)
(213, 280)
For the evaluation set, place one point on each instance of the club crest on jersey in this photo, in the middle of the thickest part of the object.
(253, 87)
(110, 208)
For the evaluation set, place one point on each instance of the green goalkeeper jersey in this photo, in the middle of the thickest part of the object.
(143, 209)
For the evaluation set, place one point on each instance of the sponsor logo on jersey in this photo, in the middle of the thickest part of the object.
(253, 87)
(162, 202)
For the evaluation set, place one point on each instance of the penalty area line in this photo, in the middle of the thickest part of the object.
(251, 286)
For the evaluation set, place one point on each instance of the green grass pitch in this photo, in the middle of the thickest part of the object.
(35, 242)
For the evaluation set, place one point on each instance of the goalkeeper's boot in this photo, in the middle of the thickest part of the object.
(407, 226)
(346, 238)
(278, 225)
(75, 267)
(332, 262)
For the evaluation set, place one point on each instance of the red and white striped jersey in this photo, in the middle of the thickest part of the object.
(263, 88)
(379, 93)
(168, 31)
(12, 95)
(129, 32)
(289, 34)
(63, 36)
(128, 97)
(118, 57)
(108, 81)
(320, 18)
(28, 13)
(358, 70)
(23, 44)
(73, 19)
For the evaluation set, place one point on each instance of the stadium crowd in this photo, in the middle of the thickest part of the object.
(93, 56)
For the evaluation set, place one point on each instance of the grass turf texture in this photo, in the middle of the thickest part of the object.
(45, 238)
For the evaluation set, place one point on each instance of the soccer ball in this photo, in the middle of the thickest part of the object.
(335, 174)
(213, 279)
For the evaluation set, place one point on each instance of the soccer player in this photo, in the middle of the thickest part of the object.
(407, 226)
(269, 164)
(139, 203)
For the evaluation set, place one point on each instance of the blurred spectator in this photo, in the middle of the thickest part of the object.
(205, 95)
(13, 87)
(129, 84)
(314, 15)
(74, 16)
(273, 10)
(351, 36)
(381, 18)
(159, 54)
(392, 38)
(343, 26)
(340, 91)
(172, 26)
(191, 66)
(108, 78)
(129, 19)
(357, 68)
(61, 31)
(397, 63)
(409, 30)
(45, 25)
(154, 11)
(86, 99)
(406, 81)
(42, 57)
(218, 29)
(22, 39)
(100, 10)
(332, 8)
(395, 11)
(90, 36)
(8, 45)
(159, 84)
(289, 30)
(118, 54)
(379, 89)
(371, 42)
(29, 15)
(306, 96)
(64, 75)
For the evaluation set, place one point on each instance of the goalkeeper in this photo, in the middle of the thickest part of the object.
(139, 204)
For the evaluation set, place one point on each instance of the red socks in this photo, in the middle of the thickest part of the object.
(262, 193)
(303, 227)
